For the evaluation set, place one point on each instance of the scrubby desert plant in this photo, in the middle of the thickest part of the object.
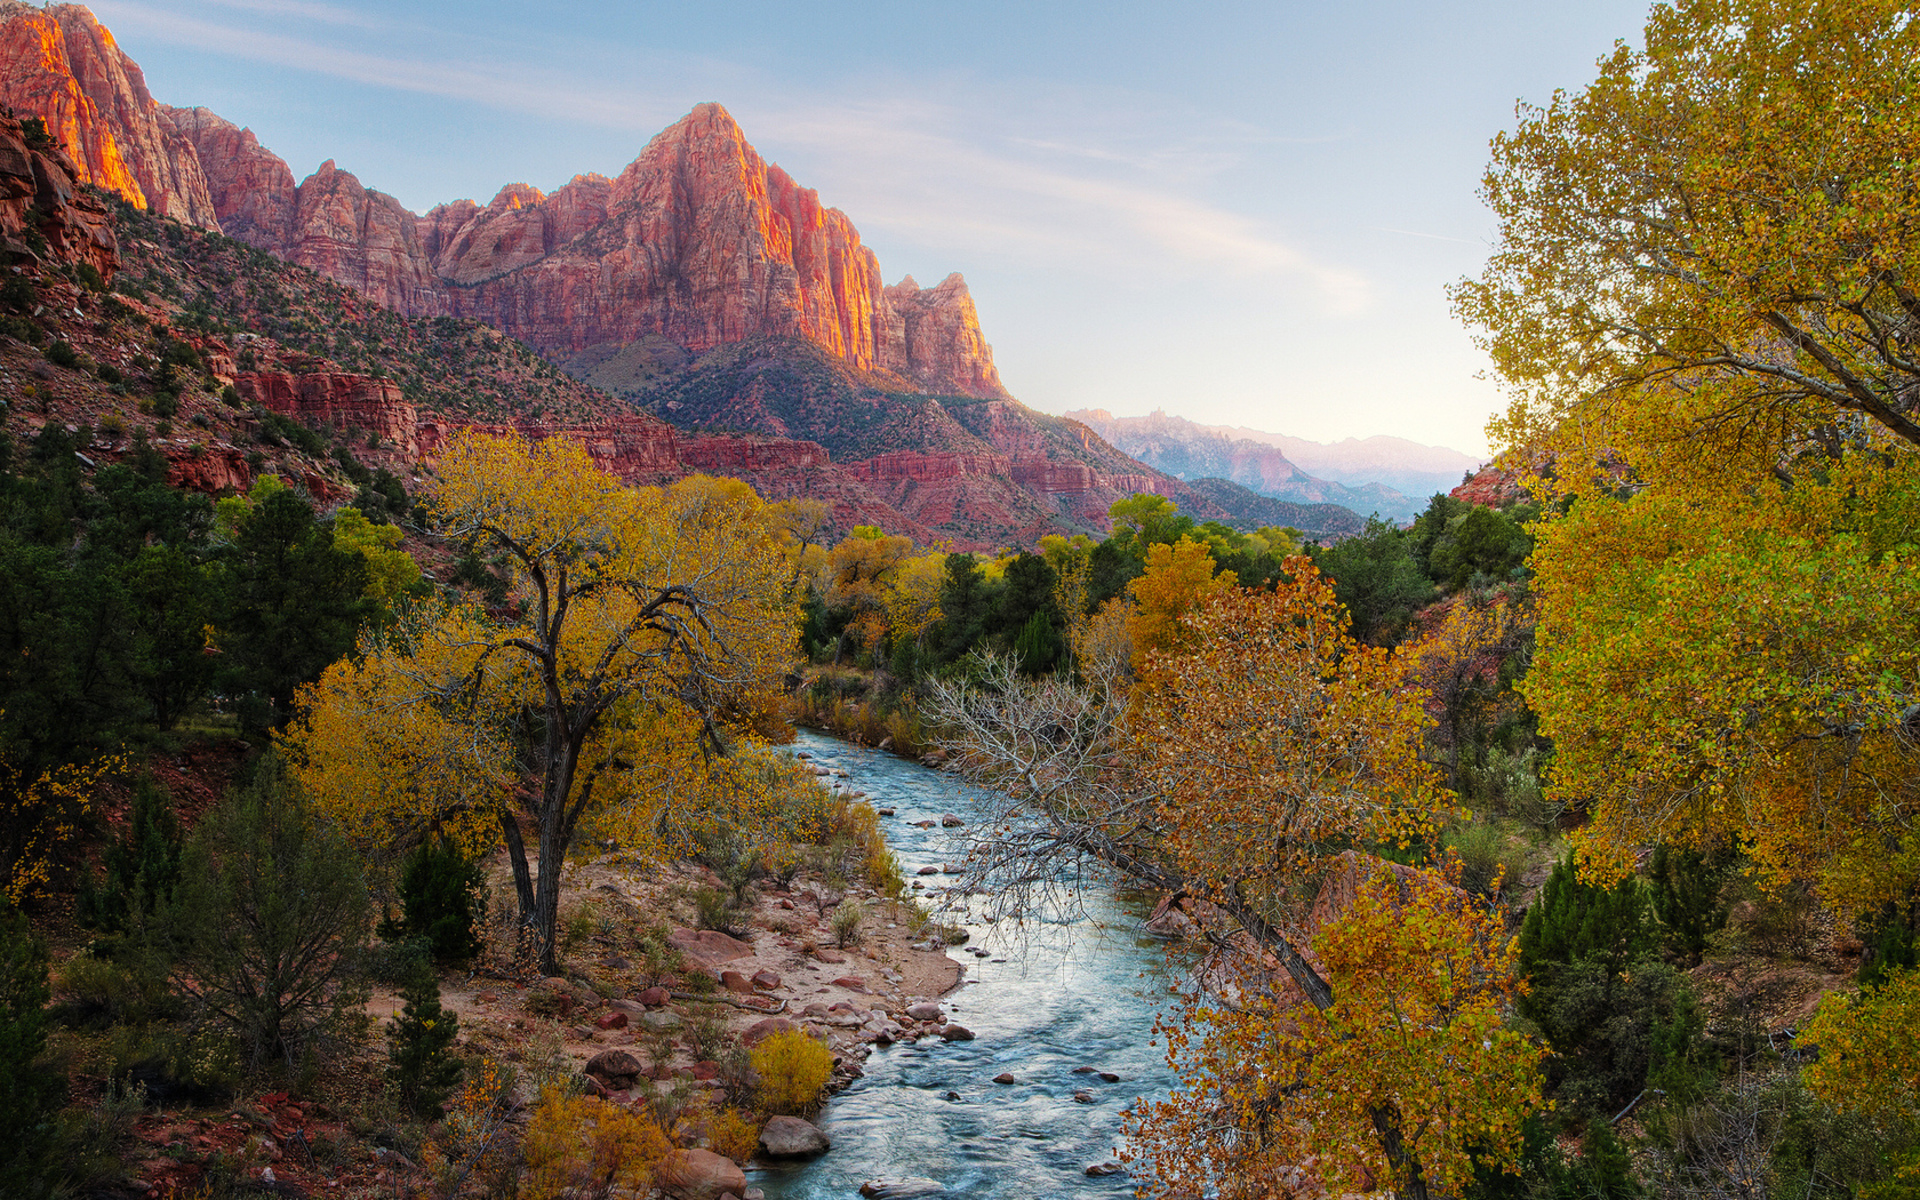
(793, 1068)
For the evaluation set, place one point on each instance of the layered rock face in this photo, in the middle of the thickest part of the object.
(62, 66)
(39, 194)
(699, 241)
(340, 400)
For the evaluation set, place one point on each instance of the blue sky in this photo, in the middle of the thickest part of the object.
(1243, 214)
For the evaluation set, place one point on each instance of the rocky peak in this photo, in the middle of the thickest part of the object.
(251, 187)
(61, 65)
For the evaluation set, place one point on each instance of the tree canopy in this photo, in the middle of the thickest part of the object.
(643, 632)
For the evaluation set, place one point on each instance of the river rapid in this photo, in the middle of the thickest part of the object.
(1050, 997)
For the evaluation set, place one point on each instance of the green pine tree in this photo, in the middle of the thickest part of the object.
(30, 1096)
(420, 1066)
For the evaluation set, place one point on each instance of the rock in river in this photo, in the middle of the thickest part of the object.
(791, 1137)
(901, 1187)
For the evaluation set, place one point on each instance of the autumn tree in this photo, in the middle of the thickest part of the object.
(645, 631)
(1265, 741)
(1713, 248)
(1703, 302)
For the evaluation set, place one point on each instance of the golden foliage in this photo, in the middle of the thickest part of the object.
(1421, 977)
(793, 1069)
(1272, 735)
(581, 1147)
(41, 816)
(1869, 1049)
(647, 630)
(733, 1134)
(1770, 643)
(1710, 254)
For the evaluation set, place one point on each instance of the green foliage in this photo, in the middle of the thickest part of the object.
(439, 891)
(421, 1067)
(295, 605)
(1618, 1018)
(1573, 920)
(266, 920)
(60, 354)
(142, 868)
(1687, 887)
(1377, 580)
(30, 1095)
(1893, 943)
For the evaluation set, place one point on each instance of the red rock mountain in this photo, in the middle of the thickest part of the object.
(883, 399)
(700, 241)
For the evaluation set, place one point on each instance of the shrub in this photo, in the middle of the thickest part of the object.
(30, 1097)
(1487, 860)
(142, 868)
(846, 922)
(62, 354)
(1687, 888)
(579, 1147)
(265, 920)
(420, 1066)
(793, 1068)
(439, 897)
(733, 1133)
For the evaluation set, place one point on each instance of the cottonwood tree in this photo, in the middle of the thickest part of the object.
(645, 631)
(1714, 247)
(1262, 744)
(1703, 298)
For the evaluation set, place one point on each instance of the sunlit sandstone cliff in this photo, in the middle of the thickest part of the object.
(700, 240)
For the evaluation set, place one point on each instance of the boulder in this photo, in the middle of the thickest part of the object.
(1005, 1077)
(899, 1187)
(615, 1068)
(852, 983)
(951, 822)
(792, 1137)
(925, 1010)
(1109, 1167)
(613, 1020)
(707, 947)
(653, 997)
(956, 1033)
(663, 1021)
(698, 1175)
(830, 957)
(766, 979)
(763, 1029)
(737, 983)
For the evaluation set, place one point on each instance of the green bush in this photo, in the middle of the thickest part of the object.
(61, 354)
(439, 901)
(142, 869)
(30, 1096)
(266, 922)
(421, 1068)
(1687, 893)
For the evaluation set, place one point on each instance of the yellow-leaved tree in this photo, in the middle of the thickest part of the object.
(645, 632)
(1705, 299)
(1261, 743)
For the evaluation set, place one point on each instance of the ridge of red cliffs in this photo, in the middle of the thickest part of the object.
(699, 240)
(40, 193)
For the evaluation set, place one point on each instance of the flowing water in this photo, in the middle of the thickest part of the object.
(1054, 997)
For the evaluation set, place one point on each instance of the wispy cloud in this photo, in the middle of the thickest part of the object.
(1072, 179)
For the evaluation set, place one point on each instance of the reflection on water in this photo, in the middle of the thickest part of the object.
(1049, 999)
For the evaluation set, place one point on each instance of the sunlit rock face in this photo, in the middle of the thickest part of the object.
(61, 65)
(702, 242)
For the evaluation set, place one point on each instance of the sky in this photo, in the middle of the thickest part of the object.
(1242, 214)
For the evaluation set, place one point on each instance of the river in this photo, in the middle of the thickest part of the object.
(1051, 998)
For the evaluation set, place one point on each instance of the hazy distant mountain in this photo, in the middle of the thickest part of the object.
(1390, 476)
(1410, 467)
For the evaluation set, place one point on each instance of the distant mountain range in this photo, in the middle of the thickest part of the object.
(703, 286)
(1387, 475)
